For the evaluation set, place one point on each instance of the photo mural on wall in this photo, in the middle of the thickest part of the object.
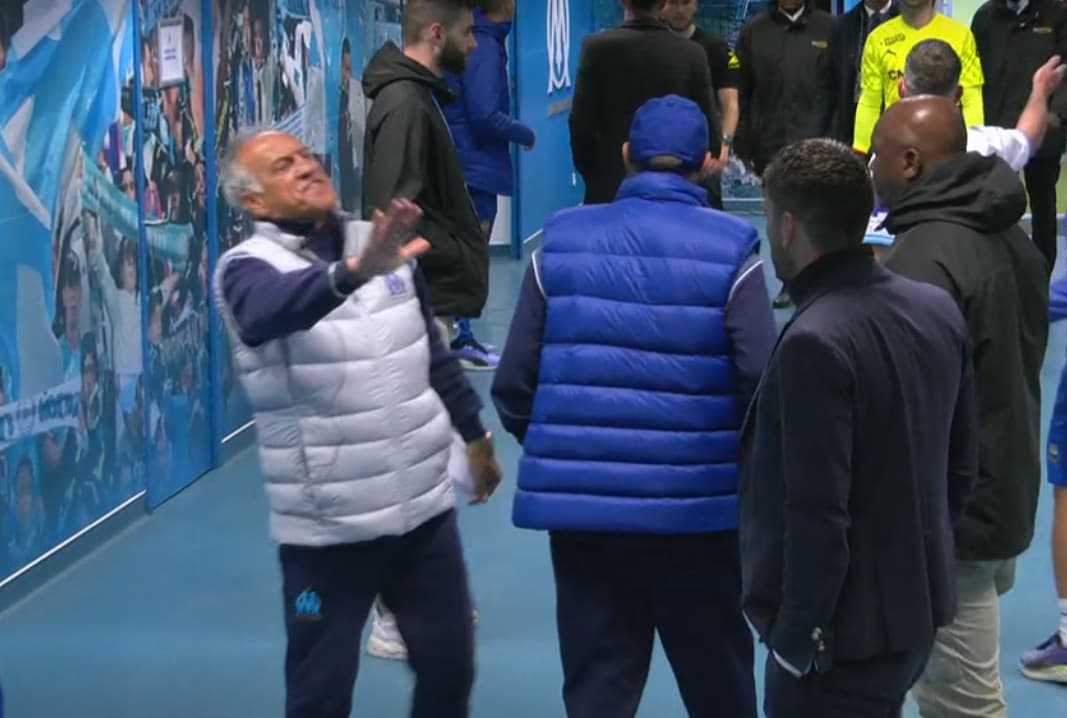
(177, 386)
(249, 70)
(72, 399)
(295, 65)
(725, 18)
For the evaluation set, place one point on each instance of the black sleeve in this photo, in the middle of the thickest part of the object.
(399, 171)
(515, 382)
(704, 96)
(721, 63)
(837, 74)
(446, 374)
(963, 442)
(743, 53)
(816, 410)
(584, 111)
(823, 91)
(1058, 101)
(400, 157)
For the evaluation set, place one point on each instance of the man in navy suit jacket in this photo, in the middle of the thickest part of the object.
(858, 452)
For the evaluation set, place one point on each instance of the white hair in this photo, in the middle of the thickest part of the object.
(235, 179)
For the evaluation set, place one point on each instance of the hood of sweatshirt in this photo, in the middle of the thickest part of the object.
(981, 193)
(391, 65)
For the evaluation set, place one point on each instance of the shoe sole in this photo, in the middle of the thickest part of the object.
(470, 366)
(387, 650)
(1045, 675)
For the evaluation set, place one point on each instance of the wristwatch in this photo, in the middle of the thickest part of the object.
(727, 140)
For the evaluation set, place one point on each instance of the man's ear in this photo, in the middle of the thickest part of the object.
(254, 205)
(913, 165)
(902, 89)
(631, 168)
(959, 92)
(788, 232)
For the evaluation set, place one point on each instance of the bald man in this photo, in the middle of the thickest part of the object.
(956, 217)
(356, 399)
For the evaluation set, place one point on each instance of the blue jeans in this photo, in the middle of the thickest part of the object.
(485, 206)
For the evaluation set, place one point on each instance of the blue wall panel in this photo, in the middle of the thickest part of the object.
(546, 62)
(70, 304)
(177, 389)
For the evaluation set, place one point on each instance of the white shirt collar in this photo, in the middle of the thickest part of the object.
(884, 8)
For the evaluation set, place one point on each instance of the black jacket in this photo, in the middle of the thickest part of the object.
(785, 82)
(957, 229)
(857, 455)
(846, 52)
(1011, 47)
(410, 155)
(618, 71)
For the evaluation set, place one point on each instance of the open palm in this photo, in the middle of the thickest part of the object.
(392, 239)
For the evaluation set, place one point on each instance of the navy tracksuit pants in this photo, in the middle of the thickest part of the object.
(614, 592)
(328, 594)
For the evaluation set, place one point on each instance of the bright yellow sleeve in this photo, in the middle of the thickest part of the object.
(972, 80)
(869, 107)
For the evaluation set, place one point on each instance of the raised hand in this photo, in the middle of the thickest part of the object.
(392, 240)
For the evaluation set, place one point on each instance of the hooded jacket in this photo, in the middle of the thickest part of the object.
(410, 154)
(480, 118)
(957, 228)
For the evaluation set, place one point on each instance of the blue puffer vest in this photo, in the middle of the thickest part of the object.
(635, 422)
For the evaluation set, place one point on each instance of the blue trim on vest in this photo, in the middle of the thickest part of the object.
(635, 421)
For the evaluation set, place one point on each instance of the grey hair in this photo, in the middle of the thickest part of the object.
(237, 181)
(932, 68)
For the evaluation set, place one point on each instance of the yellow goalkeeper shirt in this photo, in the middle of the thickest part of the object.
(884, 53)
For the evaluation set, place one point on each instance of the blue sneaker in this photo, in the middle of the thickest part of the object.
(474, 356)
(1047, 662)
(465, 335)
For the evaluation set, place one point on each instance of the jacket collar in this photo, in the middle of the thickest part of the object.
(645, 24)
(293, 234)
(1010, 8)
(855, 265)
(778, 16)
(663, 186)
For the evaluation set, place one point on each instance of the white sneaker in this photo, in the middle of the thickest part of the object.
(385, 640)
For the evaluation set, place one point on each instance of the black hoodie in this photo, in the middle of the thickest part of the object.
(410, 155)
(957, 228)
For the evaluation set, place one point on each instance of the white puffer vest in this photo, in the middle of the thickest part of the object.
(353, 440)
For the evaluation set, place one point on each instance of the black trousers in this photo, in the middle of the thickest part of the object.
(870, 689)
(1042, 174)
(615, 592)
(329, 592)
